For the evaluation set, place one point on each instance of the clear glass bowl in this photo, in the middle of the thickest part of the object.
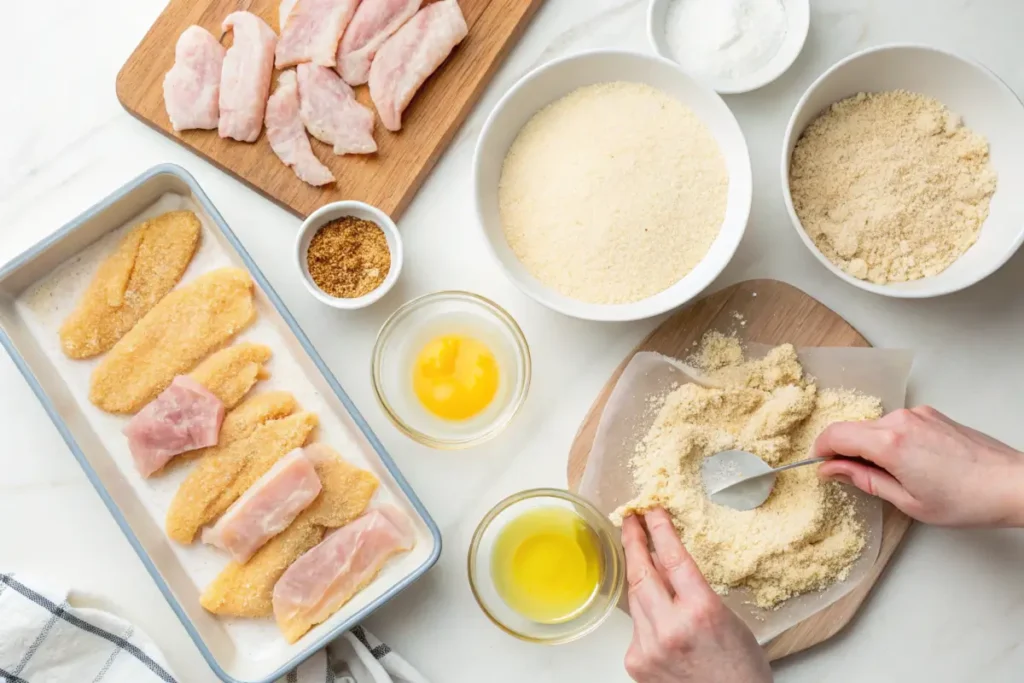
(610, 585)
(415, 324)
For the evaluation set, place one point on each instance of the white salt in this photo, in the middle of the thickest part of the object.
(725, 39)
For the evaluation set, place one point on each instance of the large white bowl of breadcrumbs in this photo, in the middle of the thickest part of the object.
(612, 185)
(901, 171)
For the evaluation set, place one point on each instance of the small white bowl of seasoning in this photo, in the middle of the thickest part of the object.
(733, 46)
(349, 254)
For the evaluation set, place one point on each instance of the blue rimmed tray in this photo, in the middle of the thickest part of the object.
(38, 289)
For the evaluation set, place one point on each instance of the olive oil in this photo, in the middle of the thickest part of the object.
(546, 564)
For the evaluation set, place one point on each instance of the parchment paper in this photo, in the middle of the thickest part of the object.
(608, 483)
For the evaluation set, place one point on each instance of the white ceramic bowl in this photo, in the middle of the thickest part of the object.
(557, 79)
(987, 106)
(333, 211)
(798, 22)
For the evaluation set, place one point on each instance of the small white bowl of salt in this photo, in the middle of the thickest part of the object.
(733, 46)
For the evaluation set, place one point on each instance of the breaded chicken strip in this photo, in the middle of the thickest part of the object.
(147, 264)
(176, 334)
(230, 373)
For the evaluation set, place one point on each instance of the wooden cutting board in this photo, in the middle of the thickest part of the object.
(388, 179)
(774, 313)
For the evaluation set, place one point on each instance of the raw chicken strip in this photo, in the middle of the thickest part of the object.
(408, 58)
(287, 135)
(267, 508)
(312, 31)
(325, 578)
(245, 77)
(192, 86)
(373, 23)
(331, 113)
(283, 11)
(184, 417)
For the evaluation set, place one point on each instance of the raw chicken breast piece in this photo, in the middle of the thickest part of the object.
(267, 508)
(320, 582)
(184, 417)
(287, 135)
(312, 31)
(245, 76)
(408, 58)
(192, 86)
(332, 114)
(283, 11)
(374, 22)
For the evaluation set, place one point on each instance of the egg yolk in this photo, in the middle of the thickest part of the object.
(546, 564)
(455, 377)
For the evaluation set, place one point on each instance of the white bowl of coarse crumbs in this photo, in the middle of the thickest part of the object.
(634, 193)
(900, 171)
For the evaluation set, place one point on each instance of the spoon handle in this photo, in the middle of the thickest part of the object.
(814, 461)
(811, 461)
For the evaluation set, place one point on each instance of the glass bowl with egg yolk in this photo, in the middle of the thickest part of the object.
(451, 369)
(546, 566)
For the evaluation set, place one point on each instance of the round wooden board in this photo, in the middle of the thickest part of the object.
(769, 312)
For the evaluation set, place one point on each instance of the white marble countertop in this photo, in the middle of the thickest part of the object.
(951, 605)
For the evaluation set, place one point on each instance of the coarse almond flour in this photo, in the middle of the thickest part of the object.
(613, 193)
(806, 536)
(891, 186)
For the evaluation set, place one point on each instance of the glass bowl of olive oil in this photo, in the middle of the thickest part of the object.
(546, 566)
(451, 369)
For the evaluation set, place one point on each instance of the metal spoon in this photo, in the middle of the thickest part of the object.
(742, 480)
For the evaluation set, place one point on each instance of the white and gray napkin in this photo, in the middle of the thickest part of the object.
(43, 639)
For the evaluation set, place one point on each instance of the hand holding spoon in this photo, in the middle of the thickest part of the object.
(742, 480)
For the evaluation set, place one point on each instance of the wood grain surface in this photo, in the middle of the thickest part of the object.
(774, 313)
(388, 179)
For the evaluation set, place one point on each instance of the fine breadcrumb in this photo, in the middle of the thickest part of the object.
(891, 186)
(181, 329)
(146, 265)
(605, 209)
(806, 536)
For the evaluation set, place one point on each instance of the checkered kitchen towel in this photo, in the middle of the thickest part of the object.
(43, 639)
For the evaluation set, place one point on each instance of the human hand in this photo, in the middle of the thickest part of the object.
(682, 631)
(930, 467)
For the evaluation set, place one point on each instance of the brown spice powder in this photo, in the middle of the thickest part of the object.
(349, 257)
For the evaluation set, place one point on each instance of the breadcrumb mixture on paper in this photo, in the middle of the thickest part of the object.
(806, 536)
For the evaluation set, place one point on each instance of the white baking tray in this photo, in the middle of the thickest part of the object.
(37, 291)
